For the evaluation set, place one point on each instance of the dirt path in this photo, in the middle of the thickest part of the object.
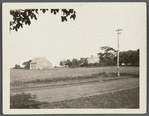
(49, 94)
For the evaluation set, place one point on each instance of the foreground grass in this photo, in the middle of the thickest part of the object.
(122, 99)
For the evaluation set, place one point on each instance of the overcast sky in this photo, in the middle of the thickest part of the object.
(93, 28)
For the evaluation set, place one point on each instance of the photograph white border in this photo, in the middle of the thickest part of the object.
(6, 70)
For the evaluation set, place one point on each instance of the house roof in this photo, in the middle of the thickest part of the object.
(40, 59)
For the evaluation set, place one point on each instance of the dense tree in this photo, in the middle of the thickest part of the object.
(68, 62)
(61, 63)
(107, 56)
(129, 57)
(17, 67)
(27, 64)
(83, 62)
(74, 61)
(24, 16)
(107, 49)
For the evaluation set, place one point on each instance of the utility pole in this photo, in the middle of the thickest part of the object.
(118, 32)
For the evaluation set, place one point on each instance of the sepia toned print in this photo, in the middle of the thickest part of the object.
(74, 58)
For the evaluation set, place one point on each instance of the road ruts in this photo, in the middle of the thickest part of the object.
(81, 90)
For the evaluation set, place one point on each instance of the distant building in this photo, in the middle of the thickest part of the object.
(40, 63)
(92, 60)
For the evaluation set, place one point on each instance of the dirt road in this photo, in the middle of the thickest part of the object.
(49, 94)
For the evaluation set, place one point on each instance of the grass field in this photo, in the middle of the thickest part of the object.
(22, 75)
(121, 99)
(128, 98)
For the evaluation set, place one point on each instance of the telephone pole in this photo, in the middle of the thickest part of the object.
(118, 32)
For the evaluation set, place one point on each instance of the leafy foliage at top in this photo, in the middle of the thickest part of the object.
(24, 16)
(107, 49)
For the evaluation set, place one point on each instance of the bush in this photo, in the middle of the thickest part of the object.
(17, 67)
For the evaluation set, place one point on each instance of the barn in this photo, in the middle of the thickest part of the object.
(40, 63)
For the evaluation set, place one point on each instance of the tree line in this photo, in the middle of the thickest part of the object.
(107, 57)
(25, 64)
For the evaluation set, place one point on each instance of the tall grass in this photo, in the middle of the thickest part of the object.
(18, 76)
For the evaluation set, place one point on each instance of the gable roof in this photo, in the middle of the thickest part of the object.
(40, 59)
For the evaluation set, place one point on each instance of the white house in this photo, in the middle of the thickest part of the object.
(92, 60)
(40, 63)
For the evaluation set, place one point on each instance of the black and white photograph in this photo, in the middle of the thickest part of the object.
(67, 58)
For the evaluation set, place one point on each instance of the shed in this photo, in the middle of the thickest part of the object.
(40, 63)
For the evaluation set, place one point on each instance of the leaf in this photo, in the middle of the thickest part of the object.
(55, 11)
(11, 12)
(64, 11)
(10, 28)
(17, 25)
(44, 10)
(52, 10)
(63, 18)
(71, 10)
(21, 25)
(16, 29)
(21, 16)
(29, 22)
(35, 17)
(25, 22)
(36, 11)
(73, 16)
(11, 23)
(31, 16)
(29, 12)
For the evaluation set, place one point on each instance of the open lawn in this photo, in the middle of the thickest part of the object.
(128, 98)
(121, 99)
(22, 75)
